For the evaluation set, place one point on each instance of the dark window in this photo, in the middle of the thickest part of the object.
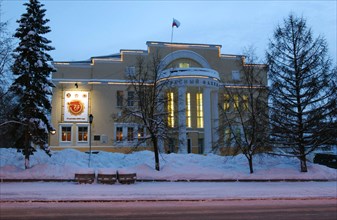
(130, 133)
(120, 96)
(131, 97)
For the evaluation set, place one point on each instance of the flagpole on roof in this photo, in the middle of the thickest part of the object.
(176, 24)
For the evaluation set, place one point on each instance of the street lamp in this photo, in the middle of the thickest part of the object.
(91, 118)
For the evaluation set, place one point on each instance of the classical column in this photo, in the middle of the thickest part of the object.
(207, 120)
(215, 118)
(182, 119)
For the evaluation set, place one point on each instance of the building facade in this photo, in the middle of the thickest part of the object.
(197, 78)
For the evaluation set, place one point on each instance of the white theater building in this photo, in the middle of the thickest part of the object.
(195, 75)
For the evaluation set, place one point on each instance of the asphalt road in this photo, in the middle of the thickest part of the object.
(236, 209)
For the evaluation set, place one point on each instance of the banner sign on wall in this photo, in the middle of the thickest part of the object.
(76, 106)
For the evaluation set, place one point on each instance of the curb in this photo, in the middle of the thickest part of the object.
(179, 180)
(167, 200)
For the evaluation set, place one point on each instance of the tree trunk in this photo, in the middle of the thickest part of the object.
(27, 149)
(156, 153)
(250, 160)
(303, 163)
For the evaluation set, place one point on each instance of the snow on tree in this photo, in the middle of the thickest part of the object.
(32, 87)
(302, 91)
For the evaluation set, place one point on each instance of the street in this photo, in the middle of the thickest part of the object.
(298, 209)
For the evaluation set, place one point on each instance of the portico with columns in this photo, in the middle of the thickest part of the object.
(196, 90)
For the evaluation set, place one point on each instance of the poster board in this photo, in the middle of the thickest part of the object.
(76, 106)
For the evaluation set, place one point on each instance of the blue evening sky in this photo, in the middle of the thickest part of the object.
(85, 28)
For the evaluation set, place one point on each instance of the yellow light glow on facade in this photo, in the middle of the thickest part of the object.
(170, 108)
(188, 110)
(61, 63)
(94, 83)
(226, 104)
(236, 102)
(245, 102)
(68, 82)
(200, 111)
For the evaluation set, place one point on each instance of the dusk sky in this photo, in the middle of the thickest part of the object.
(82, 29)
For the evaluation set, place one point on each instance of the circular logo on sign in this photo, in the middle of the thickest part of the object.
(75, 107)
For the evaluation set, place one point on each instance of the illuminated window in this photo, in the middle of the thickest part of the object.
(200, 112)
(170, 108)
(119, 134)
(184, 65)
(226, 104)
(82, 134)
(238, 136)
(130, 133)
(66, 134)
(131, 97)
(188, 110)
(141, 133)
(245, 102)
(120, 95)
(227, 136)
(236, 102)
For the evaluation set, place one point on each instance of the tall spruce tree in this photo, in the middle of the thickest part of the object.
(301, 91)
(32, 85)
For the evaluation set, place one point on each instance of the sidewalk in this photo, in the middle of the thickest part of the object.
(164, 191)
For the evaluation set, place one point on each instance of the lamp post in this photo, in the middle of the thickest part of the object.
(91, 118)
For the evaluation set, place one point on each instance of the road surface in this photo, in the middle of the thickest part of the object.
(299, 209)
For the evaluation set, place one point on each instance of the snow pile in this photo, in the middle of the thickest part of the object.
(64, 164)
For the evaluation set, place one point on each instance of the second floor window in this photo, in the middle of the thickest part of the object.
(120, 96)
(131, 97)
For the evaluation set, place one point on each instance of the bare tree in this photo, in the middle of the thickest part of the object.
(146, 105)
(6, 103)
(245, 112)
(302, 94)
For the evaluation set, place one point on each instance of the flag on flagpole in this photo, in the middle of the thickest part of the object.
(175, 23)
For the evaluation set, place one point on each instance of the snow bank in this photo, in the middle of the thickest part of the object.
(64, 164)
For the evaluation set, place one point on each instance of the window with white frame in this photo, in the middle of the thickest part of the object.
(119, 134)
(131, 97)
(235, 75)
(141, 133)
(130, 134)
(130, 71)
(66, 133)
(82, 133)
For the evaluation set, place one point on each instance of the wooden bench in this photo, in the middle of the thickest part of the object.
(106, 178)
(85, 178)
(127, 178)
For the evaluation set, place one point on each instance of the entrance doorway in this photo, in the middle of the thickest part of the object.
(200, 145)
(189, 146)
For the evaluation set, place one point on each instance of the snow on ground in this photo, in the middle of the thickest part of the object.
(64, 164)
(70, 191)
